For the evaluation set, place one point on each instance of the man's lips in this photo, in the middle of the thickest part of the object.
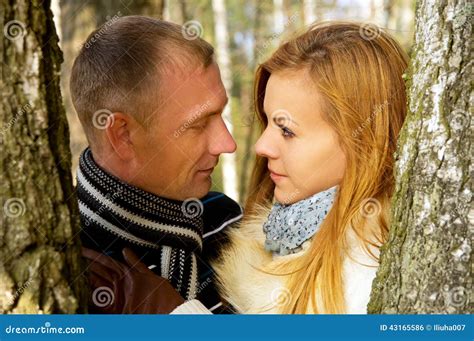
(207, 170)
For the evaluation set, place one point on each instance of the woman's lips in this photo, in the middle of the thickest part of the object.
(275, 176)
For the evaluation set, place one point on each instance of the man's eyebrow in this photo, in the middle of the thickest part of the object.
(206, 114)
(198, 117)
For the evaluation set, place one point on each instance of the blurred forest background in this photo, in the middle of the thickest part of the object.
(244, 33)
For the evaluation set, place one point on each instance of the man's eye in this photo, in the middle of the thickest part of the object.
(287, 133)
(200, 126)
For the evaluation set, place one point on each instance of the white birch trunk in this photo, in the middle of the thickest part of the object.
(426, 265)
(309, 12)
(278, 16)
(229, 166)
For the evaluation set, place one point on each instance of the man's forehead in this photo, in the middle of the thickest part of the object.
(175, 77)
(194, 89)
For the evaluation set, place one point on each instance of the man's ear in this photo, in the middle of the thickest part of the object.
(117, 130)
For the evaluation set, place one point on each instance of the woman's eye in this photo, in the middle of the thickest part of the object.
(286, 132)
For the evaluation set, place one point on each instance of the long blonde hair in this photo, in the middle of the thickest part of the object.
(358, 71)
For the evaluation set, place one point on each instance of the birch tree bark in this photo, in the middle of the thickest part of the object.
(229, 165)
(248, 105)
(278, 16)
(426, 266)
(309, 12)
(40, 262)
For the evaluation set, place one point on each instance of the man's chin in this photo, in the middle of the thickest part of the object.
(200, 188)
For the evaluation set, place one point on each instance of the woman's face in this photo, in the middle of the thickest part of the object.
(304, 156)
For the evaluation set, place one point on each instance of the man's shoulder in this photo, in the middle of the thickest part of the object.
(219, 212)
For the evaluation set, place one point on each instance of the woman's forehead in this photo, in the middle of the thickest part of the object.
(293, 94)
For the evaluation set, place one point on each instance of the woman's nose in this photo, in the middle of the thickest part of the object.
(266, 145)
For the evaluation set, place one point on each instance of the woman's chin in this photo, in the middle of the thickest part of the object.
(286, 196)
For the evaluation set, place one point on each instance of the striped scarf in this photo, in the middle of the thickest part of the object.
(170, 231)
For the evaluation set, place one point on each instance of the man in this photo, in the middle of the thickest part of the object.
(150, 101)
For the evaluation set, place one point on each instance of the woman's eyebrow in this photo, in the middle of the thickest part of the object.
(285, 119)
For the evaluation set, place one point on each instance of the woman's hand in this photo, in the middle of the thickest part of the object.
(130, 288)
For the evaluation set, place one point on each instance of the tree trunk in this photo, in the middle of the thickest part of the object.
(309, 12)
(278, 17)
(229, 168)
(104, 10)
(388, 12)
(398, 18)
(426, 266)
(248, 105)
(77, 22)
(40, 264)
(183, 11)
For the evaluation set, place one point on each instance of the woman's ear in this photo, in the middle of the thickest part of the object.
(117, 130)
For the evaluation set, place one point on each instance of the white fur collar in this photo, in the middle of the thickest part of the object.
(252, 291)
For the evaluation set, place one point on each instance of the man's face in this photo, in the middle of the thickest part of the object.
(177, 155)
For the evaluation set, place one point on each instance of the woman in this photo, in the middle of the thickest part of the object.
(331, 104)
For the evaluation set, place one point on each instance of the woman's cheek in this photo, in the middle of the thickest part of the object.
(296, 166)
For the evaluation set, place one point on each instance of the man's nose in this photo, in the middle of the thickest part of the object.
(223, 142)
(264, 146)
